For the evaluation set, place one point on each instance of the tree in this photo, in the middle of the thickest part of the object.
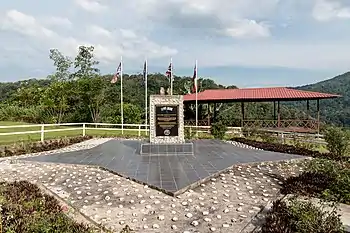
(111, 114)
(132, 114)
(62, 64)
(92, 93)
(85, 62)
(337, 141)
(27, 96)
(55, 100)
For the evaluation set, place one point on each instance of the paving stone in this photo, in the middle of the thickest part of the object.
(132, 204)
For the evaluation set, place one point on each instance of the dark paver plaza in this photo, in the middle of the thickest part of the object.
(172, 174)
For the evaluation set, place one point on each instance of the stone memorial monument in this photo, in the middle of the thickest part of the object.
(167, 135)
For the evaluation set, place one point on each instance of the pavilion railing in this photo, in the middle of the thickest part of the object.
(287, 124)
(200, 122)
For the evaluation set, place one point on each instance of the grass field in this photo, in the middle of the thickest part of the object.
(10, 139)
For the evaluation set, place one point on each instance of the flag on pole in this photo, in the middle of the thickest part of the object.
(144, 78)
(117, 74)
(120, 73)
(169, 72)
(194, 79)
(145, 82)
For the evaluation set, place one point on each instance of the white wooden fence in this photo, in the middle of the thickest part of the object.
(139, 128)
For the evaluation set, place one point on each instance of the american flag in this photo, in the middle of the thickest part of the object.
(168, 73)
(194, 79)
(116, 75)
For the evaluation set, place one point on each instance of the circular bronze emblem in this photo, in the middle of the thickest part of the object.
(166, 132)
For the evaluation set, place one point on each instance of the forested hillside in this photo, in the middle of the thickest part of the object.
(85, 95)
(336, 110)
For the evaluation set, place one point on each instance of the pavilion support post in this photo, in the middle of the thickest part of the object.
(278, 114)
(209, 114)
(274, 111)
(308, 109)
(214, 118)
(242, 111)
(318, 116)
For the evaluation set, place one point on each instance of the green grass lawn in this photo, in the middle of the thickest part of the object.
(10, 139)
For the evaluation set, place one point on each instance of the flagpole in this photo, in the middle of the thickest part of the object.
(196, 98)
(146, 96)
(121, 93)
(171, 77)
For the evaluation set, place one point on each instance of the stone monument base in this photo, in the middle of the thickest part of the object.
(167, 149)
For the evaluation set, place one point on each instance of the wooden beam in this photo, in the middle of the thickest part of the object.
(214, 118)
(278, 115)
(242, 111)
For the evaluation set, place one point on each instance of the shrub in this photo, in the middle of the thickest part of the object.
(339, 178)
(111, 114)
(16, 113)
(289, 149)
(304, 142)
(34, 147)
(250, 132)
(218, 130)
(325, 178)
(301, 217)
(268, 137)
(25, 209)
(337, 141)
(190, 133)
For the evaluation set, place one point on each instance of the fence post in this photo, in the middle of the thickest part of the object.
(42, 137)
(282, 137)
(84, 130)
(139, 130)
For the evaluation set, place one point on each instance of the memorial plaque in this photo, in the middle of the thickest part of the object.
(167, 120)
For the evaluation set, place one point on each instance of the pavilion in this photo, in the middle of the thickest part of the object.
(274, 95)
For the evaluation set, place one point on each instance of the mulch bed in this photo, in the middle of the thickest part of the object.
(288, 149)
(35, 147)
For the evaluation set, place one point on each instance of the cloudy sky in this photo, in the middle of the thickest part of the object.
(243, 42)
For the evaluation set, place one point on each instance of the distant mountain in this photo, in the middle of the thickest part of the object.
(337, 110)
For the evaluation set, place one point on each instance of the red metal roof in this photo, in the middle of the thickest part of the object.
(257, 94)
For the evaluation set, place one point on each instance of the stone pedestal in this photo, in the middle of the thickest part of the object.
(166, 119)
(167, 135)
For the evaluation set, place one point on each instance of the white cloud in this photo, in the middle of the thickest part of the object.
(58, 21)
(24, 24)
(109, 45)
(98, 31)
(233, 18)
(318, 55)
(128, 34)
(93, 6)
(248, 28)
(214, 32)
(325, 10)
